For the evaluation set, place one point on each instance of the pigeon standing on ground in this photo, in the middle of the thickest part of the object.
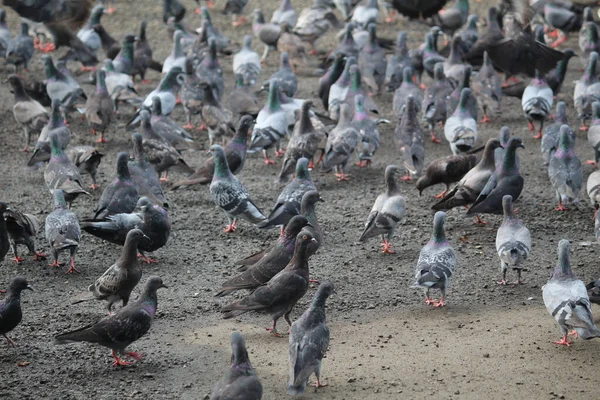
(119, 196)
(461, 128)
(342, 142)
(279, 296)
(86, 159)
(4, 240)
(62, 231)
(288, 202)
(246, 63)
(409, 139)
(307, 209)
(144, 174)
(22, 229)
(240, 380)
(99, 108)
(388, 210)
(119, 280)
(593, 134)
(230, 195)
(56, 124)
(119, 330)
(565, 171)
(513, 241)
(566, 299)
(62, 87)
(28, 113)
(436, 262)
(309, 340)
(446, 170)
(21, 49)
(10, 308)
(285, 13)
(537, 102)
(552, 132)
(288, 81)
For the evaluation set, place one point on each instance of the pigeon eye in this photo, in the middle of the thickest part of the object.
(304, 237)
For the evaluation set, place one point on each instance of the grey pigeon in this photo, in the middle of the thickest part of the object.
(454, 98)
(506, 181)
(468, 34)
(290, 43)
(28, 113)
(288, 82)
(123, 62)
(504, 137)
(144, 174)
(388, 210)
(430, 53)
(4, 240)
(5, 35)
(513, 241)
(372, 62)
(342, 142)
(288, 201)
(452, 18)
(62, 231)
(267, 33)
(88, 35)
(120, 86)
(121, 329)
(22, 229)
(21, 49)
(487, 86)
(593, 190)
(436, 262)
(191, 93)
(151, 219)
(408, 137)
(242, 100)
(593, 134)
(453, 66)
(347, 47)
(552, 132)
(356, 89)
(86, 159)
(217, 118)
(209, 70)
(279, 296)
(246, 63)
(99, 108)
(587, 90)
(460, 128)
(240, 380)
(273, 260)
(339, 89)
(434, 100)
(367, 130)
(10, 308)
(566, 299)
(61, 173)
(167, 128)
(235, 152)
(307, 209)
(119, 280)
(229, 194)
(313, 22)
(119, 196)
(447, 170)
(285, 13)
(177, 57)
(565, 171)
(62, 87)
(407, 88)
(309, 340)
(56, 125)
(396, 63)
(537, 102)
(365, 14)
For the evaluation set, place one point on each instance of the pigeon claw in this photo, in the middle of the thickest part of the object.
(434, 139)
(342, 177)
(440, 303)
(101, 140)
(188, 126)
(485, 119)
(479, 221)
(406, 177)
(230, 228)
(583, 127)
(560, 207)
(72, 268)
(146, 259)
(573, 333)
(531, 127)
(18, 259)
(118, 361)
(111, 10)
(429, 301)
(39, 256)
(56, 264)
(318, 384)
(502, 282)
(591, 162)
(386, 248)
(563, 341)
(518, 282)
(269, 162)
(440, 195)
(538, 136)
(274, 332)
(134, 354)
(94, 186)
(47, 48)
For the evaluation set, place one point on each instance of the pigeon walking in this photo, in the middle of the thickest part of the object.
(22, 229)
(513, 241)
(62, 231)
(119, 196)
(565, 171)
(28, 113)
(10, 308)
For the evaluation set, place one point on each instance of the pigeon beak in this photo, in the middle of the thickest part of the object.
(29, 287)
(314, 240)
(162, 285)
(147, 238)
(321, 199)
(521, 145)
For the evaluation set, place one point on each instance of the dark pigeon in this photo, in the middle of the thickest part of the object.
(21, 49)
(86, 159)
(22, 229)
(55, 125)
(144, 174)
(4, 240)
(119, 196)
(307, 209)
(447, 170)
(10, 308)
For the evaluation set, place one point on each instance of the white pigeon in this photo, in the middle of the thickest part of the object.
(513, 241)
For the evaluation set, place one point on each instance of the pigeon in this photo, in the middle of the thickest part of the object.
(240, 380)
(99, 107)
(247, 63)
(152, 219)
(388, 210)
(288, 202)
(144, 174)
(566, 299)
(588, 41)
(62, 87)
(271, 262)
(120, 87)
(307, 209)
(417, 9)
(89, 37)
(267, 33)
(160, 152)
(22, 229)
(230, 195)
(119, 280)
(191, 93)
(177, 57)
(454, 66)
(21, 49)
(356, 89)
(460, 128)
(491, 36)
(142, 56)
(561, 18)
(279, 296)
(271, 125)
(4, 238)
(409, 139)
(242, 100)
(430, 53)
(119, 330)
(406, 89)
(468, 34)
(504, 137)
(519, 52)
(434, 100)
(120, 196)
(62, 231)
(285, 13)
(446, 170)
(347, 46)
(56, 125)
(469, 187)
(303, 143)
(123, 61)
(396, 63)
(587, 90)
(168, 129)
(593, 190)
(452, 18)
(309, 340)
(288, 82)
(218, 119)
(222, 42)
(556, 77)
(487, 86)
(537, 102)
(290, 43)
(551, 133)
(593, 291)
(513, 241)
(62, 174)
(339, 90)
(436, 263)
(10, 308)
(235, 152)
(342, 142)
(173, 8)
(507, 181)
(454, 98)
(364, 15)
(367, 130)
(5, 35)
(565, 171)
(28, 113)
(372, 62)
(314, 22)
(593, 134)
(110, 46)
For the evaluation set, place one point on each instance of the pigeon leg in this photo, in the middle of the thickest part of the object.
(197, 10)
(433, 138)
(311, 165)
(479, 221)
(37, 256)
(485, 118)
(440, 303)
(583, 126)
(560, 206)
(318, 383)
(518, 281)
(55, 264)
(503, 281)
(16, 257)
(386, 246)
(263, 58)
(591, 162)
(563, 341)
(87, 69)
(342, 177)
(111, 10)
(273, 330)
(561, 39)
(94, 186)
(539, 134)
(146, 259)
(101, 139)
(118, 361)
(441, 195)
(231, 227)
(359, 164)
(165, 178)
(429, 300)
(595, 212)
(531, 127)
(573, 333)
(313, 51)
(72, 268)
(240, 20)
(10, 342)
(134, 354)
(210, 4)
(321, 158)
(406, 177)
(267, 160)
(391, 18)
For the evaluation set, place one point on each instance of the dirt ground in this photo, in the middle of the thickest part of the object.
(490, 341)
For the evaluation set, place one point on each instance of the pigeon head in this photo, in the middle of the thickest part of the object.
(465, 95)
(302, 169)
(295, 225)
(134, 236)
(144, 203)
(430, 38)
(259, 17)
(563, 269)
(138, 147)
(284, 60)
(390, 177)
(311, 198)
(221, 165)
(96, 14)
(348, 32)
(154, 283)
(472, 21)
(355, 77)
(568, 53)
(407, 75)
(504, 136)
(129, 39)
(466, 78)
(274, 101)
(507, 206)
(565, 142)
(239, 354)
(561, 112)
(145, 117)
(324, 291)
(3, 207)
(304, 239)
(18, 284)
(59, 199)
(372, 28)
(248, 41)
(439, 234)
(122, 167)
(171, 79)
(241, 133)
(101, 81)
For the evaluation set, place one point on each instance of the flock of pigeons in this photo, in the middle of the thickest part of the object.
(132, 212)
